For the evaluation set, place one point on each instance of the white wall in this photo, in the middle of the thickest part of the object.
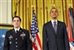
(5, 12)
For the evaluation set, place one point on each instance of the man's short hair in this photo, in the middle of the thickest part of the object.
(53, 8)
(16, 17)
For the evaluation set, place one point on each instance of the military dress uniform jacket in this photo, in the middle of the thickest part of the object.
(17, 40)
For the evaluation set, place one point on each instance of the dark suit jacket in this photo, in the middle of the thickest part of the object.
(17, 41)
(55, 41)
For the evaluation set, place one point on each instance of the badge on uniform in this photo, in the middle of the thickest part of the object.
(22, 35)
(10, 37)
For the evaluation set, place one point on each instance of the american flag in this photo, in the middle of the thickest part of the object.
(70, 27)
(36, 42)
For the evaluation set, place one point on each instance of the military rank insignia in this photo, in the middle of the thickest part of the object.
(22, 35)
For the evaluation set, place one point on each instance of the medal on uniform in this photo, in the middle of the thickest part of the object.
(10, 37)
(22, 35)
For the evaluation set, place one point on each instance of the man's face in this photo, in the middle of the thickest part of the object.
(16, 22)
(54, 13)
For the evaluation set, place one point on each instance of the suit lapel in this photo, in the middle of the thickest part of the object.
(58, 27)
(51, 27)
(13, 32)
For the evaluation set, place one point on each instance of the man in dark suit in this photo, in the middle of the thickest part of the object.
(17, 38)
(54, 33)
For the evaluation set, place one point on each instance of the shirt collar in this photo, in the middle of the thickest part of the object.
(16, 29)
(52, 21)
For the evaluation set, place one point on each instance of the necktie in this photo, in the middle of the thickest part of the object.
(55, 26)
(17, 31)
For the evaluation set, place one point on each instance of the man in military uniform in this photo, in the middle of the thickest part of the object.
(17, 38)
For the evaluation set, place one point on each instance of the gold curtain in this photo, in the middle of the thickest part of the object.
(23, 8)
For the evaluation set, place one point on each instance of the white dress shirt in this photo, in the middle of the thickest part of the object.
(52, 21)
(16, 29)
